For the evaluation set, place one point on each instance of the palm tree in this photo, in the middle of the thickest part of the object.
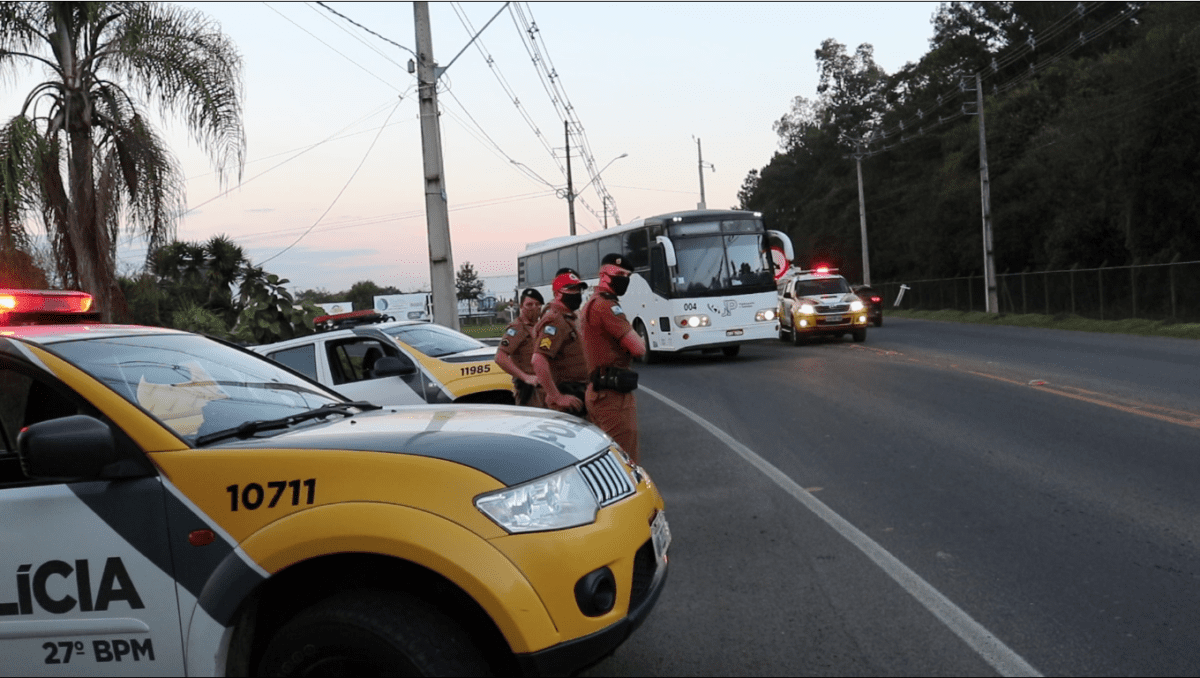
(81, 155)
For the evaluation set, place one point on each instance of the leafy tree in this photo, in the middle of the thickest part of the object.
(468, 283)
(269, 313)
(81, 154)
(363, 294)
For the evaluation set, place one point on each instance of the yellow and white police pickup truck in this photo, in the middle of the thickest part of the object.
(366, 355)
(173, 505)
(819, 302)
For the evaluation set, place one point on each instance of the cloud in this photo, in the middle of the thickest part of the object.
(261, 209)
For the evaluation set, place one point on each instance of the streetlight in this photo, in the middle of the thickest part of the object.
(570, 195)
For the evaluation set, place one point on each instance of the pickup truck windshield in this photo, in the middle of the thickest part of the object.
(195, 385)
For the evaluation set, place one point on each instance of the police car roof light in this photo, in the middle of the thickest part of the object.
(38, 301)
(342, 320)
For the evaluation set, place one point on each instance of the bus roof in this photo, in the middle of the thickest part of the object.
(685, 215)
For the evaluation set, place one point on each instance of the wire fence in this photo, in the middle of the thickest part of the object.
(1168, 291)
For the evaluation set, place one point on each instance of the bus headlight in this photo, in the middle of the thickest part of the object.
(692, 320)
(765, 315)
(556, 502)
(856, 306)
(807, 309)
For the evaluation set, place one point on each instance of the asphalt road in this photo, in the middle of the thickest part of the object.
(1013, 500)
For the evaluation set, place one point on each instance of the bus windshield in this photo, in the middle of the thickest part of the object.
(721, 258)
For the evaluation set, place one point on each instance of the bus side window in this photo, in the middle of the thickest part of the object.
(589, 259)
(637, 248)
(533, 270)
(660, 277)
(567, 258)
(609, 245)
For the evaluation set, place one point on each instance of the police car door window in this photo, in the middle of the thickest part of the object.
(303, 359)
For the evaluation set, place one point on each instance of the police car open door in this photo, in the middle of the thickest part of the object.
(86, 574)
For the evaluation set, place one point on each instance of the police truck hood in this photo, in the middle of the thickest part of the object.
(512, 444)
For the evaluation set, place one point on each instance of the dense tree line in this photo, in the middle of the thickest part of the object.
(1093, 144)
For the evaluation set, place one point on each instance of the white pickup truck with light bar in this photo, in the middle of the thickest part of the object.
(819, 302)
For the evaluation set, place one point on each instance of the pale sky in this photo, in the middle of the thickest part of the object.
(643, 79)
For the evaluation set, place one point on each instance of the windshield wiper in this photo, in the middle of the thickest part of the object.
(249, 428)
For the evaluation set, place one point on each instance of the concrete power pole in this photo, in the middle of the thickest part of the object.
(862, 219)
(985, 187)
(700, 157)
(570, 186)
(437, 215)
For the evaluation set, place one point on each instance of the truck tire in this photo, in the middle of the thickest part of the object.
(372, 633)
(859, 335)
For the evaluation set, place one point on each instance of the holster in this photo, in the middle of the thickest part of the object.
(614, 379)
(524, 392)
(577, 389)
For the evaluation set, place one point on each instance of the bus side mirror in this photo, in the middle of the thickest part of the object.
(668, 249)
(780, 239)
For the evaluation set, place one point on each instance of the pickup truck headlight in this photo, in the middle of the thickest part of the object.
(856, 306)
(555, 502)
(807, 309)
(765, 314)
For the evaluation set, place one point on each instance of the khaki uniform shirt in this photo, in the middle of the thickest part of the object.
(558, 339)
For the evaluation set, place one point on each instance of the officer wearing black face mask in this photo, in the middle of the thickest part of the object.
(558, 359)
(610, 344)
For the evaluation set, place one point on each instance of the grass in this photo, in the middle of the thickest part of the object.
(1062, 321)
(488, 331)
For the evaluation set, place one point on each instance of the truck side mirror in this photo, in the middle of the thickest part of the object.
(78, 447)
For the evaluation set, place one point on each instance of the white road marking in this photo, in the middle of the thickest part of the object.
(990, 648)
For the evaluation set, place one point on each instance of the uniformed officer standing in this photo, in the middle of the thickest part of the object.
(558, 358)
(610, 344)
(515, 352)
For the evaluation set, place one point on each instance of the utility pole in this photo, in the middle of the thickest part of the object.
(701, 165)
(570, 186)
(437, 215)
(985, 187)
(862, 219)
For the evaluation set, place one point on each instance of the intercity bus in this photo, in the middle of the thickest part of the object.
(704, 280)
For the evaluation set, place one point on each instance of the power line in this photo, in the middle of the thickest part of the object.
(339, 195)
(385, 39)
(331, 47)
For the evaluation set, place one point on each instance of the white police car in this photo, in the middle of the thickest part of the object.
(819, 302)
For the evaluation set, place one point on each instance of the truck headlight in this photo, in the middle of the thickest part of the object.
(807, 309)
(692, 320)
(856, 306)
(764, 315)
(555, 502)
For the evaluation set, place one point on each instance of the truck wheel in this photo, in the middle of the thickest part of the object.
(783, 335)
(650, 357)
(372, 633)
(859, 335)
(878, 320)
(731, 351)
(796, 336)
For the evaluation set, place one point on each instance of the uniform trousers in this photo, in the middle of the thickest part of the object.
(616, 414)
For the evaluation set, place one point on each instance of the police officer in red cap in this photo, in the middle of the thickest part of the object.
(515, 352)
(610, 344)
(558, 358)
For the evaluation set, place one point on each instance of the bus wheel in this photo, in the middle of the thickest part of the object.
(731, 351)
(649, 357)
(372, 633)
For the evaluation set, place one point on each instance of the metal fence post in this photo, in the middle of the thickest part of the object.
(1072, 276)
(970, 295)
(1046, 289)
(1133, 285)
(1171, 273)
(1024, 297)
(1100, 279)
